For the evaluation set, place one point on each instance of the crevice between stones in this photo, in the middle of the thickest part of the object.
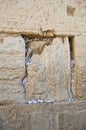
(72, 64)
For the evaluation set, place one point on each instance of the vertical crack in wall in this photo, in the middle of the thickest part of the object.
(72, 64)
(28, 55)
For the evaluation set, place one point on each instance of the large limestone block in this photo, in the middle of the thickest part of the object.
(49, 72)
(35, 16)
(71, 120)
(12, 67)
(42, 121)
(58, 116)
(80, 66)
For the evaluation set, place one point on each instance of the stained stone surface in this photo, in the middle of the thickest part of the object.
(46, 116)
(12, 49)
(80, 66)
(49, 72)
(49, 75)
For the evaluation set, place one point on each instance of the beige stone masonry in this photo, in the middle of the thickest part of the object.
(12, 67)
(46, 116)
(80, 66)
(64, 17)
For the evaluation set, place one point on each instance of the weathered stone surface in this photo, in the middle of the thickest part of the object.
(72, 120)
(49, 72)
(36, 16)
(57, 116)
(80, 66)
(12, 51)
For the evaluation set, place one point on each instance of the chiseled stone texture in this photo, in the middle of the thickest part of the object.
(46, 116)
(49, 72)
(12, 50)
(40, 15)
(80, 66)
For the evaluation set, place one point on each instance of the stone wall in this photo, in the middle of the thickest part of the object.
(12, 68)
(80, 66)
(46, 116)
(37, 16)
(55, 74)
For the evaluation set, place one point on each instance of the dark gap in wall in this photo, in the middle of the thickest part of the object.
(27, 61)
(72, 64)
(70, 11)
